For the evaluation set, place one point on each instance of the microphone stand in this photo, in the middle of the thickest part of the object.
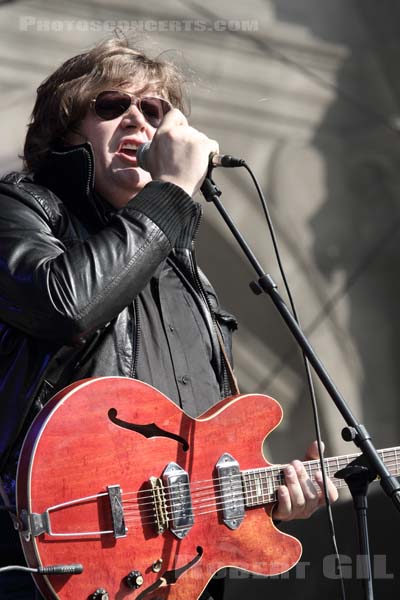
(356, 477)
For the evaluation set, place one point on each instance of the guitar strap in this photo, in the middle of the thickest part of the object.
(231, 376)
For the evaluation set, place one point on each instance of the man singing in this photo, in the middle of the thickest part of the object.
(97, 270)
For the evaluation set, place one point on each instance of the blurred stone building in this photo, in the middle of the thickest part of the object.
(307, 91)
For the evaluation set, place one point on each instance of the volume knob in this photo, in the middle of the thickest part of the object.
(134, 580)
(100, 594)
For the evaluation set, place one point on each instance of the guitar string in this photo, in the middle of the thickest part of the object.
(310, 465)
(250, 500)
(266, 498)
(250, 477)
(222, 504)
(150, 497)
(262, 476)
(133, 521)
(251, 497)
(235, 494)
(196, 488)
(266, 495)
(132, 506)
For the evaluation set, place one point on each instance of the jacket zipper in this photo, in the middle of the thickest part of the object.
(90, 173)
(137, 337)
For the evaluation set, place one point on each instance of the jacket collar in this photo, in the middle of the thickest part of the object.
(68, 171)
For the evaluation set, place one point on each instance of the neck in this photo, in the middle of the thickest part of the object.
(260, 485)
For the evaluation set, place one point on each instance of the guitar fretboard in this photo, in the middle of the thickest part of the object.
(260, 485)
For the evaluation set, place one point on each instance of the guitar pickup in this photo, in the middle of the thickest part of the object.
(231, 491)
(177, 487)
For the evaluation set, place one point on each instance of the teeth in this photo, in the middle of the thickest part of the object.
(129, 146)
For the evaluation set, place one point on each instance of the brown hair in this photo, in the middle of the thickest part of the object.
(64, 97)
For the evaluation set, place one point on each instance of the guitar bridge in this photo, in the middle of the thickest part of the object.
(160, 505)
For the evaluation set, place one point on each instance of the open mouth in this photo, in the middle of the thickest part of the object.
(128, 151)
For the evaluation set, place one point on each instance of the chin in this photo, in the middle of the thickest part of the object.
(136, 178)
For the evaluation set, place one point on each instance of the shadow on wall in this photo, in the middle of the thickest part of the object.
(357, 233)
(354, 231)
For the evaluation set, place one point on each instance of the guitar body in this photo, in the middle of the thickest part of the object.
(120, 432)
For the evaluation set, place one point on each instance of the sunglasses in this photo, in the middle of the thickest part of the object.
(112, 104)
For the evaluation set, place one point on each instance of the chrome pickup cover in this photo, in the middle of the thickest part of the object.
(230, 490)
(179, 500)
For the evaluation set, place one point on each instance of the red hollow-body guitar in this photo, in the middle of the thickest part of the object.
(149, 501)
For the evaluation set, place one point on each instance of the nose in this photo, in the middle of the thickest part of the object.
(134, 118)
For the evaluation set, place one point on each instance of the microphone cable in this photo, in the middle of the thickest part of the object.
(234, 162)
(70, 569)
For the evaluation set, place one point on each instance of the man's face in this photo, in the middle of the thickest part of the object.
(117, 176)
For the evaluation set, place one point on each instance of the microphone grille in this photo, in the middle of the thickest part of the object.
(141, 153)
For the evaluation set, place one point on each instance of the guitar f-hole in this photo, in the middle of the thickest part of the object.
(148, 431)
(171, 577)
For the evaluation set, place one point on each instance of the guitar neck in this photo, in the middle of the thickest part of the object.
(260, 485)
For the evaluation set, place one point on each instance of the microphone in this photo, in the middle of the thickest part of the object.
(215, 160)
(141, 155)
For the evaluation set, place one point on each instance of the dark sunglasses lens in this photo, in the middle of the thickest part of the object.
(110, 105)
(154, 110)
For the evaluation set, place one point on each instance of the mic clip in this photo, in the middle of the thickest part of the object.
(209, 188)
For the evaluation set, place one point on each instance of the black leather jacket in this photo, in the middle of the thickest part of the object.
(71, 267)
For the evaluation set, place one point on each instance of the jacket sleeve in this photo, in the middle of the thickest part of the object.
(62, 294)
